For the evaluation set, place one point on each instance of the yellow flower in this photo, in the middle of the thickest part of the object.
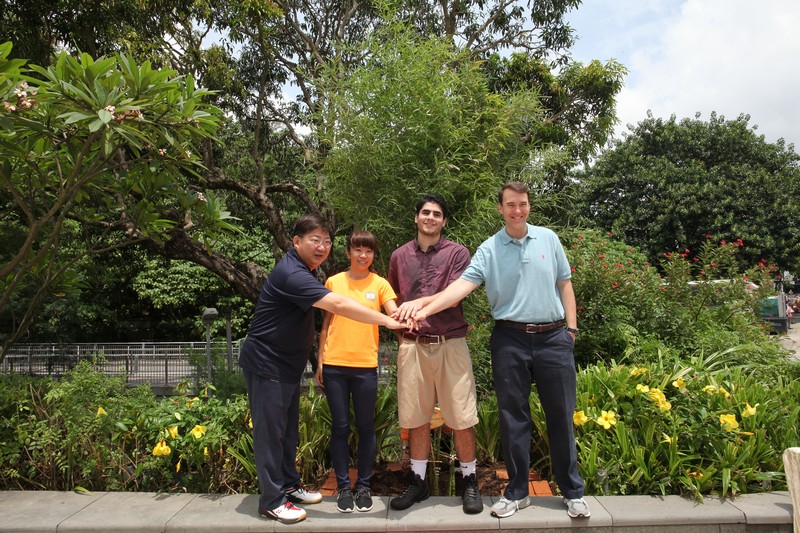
(749, 411)
(710, 389)
(198, 431)
(679, 384)
(205, 451)
(637, 372)
(579, 418)
(642, 388)
(173, 432)
(607, 419)
(161, 448)
(728, 422)
(190, 403)
(250, 423)
(101, 411)
(667, 439)
(178, 466)
(656, 395)
(725, 393)
(665, 405)
(695, 474)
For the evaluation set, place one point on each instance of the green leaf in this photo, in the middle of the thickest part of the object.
(95, 125)
(105, 115)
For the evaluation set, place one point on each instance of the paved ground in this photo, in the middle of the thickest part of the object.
(120, 512)
(791, 341)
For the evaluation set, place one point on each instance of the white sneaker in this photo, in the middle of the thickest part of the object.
(577, 508)
(300, 494)
(285, 514)
(505, 507)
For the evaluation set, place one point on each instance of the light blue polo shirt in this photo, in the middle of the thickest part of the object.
(521, 277)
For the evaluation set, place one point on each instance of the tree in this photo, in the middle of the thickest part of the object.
(274, 163)
(578, 102)
(420, 118)
(98, 155)
(39, 27)
(670, 184)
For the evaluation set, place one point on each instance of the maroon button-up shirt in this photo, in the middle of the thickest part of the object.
(414, 274)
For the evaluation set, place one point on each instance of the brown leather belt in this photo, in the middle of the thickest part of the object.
(531, 328)
(427, 339)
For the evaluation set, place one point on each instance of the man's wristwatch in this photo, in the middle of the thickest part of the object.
(574, 331)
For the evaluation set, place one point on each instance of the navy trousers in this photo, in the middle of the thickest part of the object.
(546, 359)
(275, 410)
(342, 382)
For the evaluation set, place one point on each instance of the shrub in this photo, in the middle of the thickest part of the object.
(695, 428)
(630, 310)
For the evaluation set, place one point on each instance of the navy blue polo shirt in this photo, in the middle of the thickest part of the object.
(281, 334)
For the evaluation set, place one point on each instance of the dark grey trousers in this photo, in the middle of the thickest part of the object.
(545, 359)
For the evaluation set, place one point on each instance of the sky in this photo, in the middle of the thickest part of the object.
(687, 56)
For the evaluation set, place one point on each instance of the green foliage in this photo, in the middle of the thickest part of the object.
(670, 183)
(697, 302)
(697, 428)
(578, 102)
(108, 144)
(89, 432)
(419, 118)
(487, 431)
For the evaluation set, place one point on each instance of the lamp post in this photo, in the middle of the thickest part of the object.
(210, 314)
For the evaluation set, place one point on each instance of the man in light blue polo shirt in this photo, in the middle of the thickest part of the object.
(529, 287)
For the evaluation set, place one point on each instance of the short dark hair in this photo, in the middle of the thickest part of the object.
(365, 239)
(435, 199)
(516, 186)
(308, 223)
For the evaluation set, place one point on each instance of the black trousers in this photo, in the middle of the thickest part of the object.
(275, 410)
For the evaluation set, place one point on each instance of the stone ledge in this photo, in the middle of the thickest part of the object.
(44, 511)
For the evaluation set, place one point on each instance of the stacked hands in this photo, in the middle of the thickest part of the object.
(410, 314)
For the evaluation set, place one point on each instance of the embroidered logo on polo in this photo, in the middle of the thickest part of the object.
(371, 296)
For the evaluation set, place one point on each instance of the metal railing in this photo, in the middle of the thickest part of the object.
(161, 364)
(156, 363)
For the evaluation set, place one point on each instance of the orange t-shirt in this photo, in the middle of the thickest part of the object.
(352, 343)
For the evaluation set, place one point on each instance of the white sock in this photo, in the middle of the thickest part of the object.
(419, 467)
(467, 469)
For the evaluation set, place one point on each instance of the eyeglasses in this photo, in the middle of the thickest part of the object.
(317, 242)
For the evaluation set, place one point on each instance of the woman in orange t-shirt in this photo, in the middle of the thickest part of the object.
(348, 367)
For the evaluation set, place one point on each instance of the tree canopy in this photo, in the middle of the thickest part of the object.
(670, 184)
(280, 156)
(95, 155)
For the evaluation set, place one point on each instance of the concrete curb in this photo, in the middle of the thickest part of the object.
(137, 512)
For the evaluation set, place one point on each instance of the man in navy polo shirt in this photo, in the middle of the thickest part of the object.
(529, 286)
(274, 356)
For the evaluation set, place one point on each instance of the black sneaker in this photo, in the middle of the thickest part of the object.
(344, 502)
(471, 498)
(416, 491)
(363, 499)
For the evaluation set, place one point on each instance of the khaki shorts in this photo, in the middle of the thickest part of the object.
(431, 373)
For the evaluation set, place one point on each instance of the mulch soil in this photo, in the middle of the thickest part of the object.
(391, 480)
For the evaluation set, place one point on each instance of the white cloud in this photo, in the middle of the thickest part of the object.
(728, 56)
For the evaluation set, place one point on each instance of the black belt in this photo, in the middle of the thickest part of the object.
(530, 328)
(427, 339)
